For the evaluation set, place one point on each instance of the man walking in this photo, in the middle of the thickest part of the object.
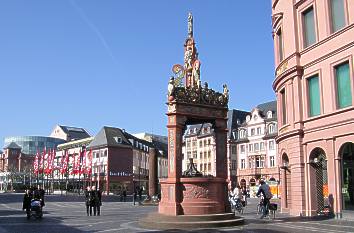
(27, 202)
(99, 201)
(93, 201)
(88, 199)
(264, 189)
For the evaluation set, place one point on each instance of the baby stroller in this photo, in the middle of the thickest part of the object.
(36, 209)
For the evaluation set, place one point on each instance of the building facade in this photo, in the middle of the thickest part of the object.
(15, 168)
(235, 120)
(121, 161)
(313, 46)
(199, 144)
(256, 149)
(69, 133)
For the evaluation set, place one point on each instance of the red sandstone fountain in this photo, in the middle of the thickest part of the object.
(188, 199)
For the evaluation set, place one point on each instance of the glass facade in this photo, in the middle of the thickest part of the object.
(32, 144)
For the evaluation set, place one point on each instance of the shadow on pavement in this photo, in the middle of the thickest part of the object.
(16, 221)
(215, 231)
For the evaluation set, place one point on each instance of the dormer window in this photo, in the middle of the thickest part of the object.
(269, 114)
(248, 118)
(255, 117)
(234, 135)
(118, 139)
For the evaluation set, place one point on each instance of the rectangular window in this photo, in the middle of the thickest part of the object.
(209, 154)
(314, 96)
(200, 155)
(250, 163)
(309, 27)
(337, 14)
(256, 147)
(243, 164)
(271, 161)
(258, 162)
(200, 144)
(262, 145)
(194, 154)
(233, 149)
(283, 106)
(253, 132)
(242, 149)
(271, 145)
(250, 147)
(233, 165)
(280, 45)
(344, 95)
(258, 131)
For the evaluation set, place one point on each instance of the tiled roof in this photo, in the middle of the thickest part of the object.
(235, 119)
(109, 136)
(12, 145)
(268, 106)
(196, 130)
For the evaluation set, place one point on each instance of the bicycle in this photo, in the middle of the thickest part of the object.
(236, 204)
(260, 206)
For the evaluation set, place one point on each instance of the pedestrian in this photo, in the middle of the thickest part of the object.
(264, 189)
(99, 201)
(93, 201)
(244, 193)
(135, 195)
(27, 202)
(124, 195)
(88, 199)
(41, 194)
(140, 193)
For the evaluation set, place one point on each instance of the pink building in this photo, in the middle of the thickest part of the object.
(314, 47)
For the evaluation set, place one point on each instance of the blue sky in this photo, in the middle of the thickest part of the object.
(91, 63)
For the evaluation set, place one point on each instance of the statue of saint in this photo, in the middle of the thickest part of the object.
(171, 86)
(188, 56)
(226, 91)
(196, 72)
(190, 25)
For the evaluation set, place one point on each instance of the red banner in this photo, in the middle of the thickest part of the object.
(35, 164)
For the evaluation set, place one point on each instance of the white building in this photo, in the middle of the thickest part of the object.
(256, 148)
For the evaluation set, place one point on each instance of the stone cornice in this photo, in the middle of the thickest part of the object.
(292, 133)
(288, 74)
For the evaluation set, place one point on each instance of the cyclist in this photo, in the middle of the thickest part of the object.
(264, 189)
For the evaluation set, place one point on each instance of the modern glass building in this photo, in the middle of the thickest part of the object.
(32, 144)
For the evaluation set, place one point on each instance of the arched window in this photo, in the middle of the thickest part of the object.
(252, 182)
